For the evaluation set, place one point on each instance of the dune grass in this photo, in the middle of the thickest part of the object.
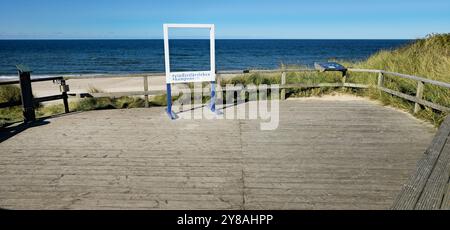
(9, 93)
(428, 57)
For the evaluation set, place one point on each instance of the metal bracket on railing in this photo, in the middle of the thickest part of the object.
(62, 85)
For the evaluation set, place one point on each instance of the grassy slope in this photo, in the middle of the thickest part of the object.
(429, 58)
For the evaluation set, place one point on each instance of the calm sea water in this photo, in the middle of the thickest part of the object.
(74, 57)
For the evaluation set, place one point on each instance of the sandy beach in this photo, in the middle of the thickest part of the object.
(117, 84)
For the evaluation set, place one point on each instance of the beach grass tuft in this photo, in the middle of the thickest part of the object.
(10, 93)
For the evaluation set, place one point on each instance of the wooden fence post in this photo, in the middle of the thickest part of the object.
(380, 79)
(344, 77)
(146, 91)
(419, 95)
(283, 82)
(219, 92)
(26, 93)
(64, 88)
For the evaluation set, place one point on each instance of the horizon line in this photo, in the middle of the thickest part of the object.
(31, 39)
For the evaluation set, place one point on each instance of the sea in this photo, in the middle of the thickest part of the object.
(91, 57)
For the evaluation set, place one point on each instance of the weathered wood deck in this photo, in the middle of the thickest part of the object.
(429, 187)
(326, 154)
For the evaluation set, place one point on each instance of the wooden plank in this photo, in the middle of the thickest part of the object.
(364, 70)
(380, 80)
(306, 85)
(279, 70)
(318, 85)
(355, 85)
(10, 104)
(14, 82)
(48, 98)
(326, 154)
(100, 76)
(436, 186)
(283, 82)
(146, 90)
(26, 95)
(422, 79)
(419, 95)
(446, 201)
(128, 93)
(412, 190)
(219, 90)
(415, 99)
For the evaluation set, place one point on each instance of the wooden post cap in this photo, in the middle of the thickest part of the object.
(23, 68)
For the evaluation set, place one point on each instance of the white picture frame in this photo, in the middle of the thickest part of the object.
(190, 76)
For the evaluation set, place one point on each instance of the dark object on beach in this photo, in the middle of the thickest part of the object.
(330, 66)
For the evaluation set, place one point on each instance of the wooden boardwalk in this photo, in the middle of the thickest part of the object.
(326, 154)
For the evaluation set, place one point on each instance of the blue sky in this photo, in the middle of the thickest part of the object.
(324, 19)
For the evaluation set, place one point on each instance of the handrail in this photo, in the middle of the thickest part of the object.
(412, 77)
(153, 74)
(28, 101)
(406, 76)
(417, 99)
(364, 70)
(13, 82)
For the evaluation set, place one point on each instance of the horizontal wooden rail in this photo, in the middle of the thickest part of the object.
(418, 99)
(425, 80)
(28, 102)
(319, 85)
(207, 90)
(364, 70)
(163, 74)
(415, 99)
(10, 104)
(48, 98)
(381, 75)
(14, 82)
(118, 94)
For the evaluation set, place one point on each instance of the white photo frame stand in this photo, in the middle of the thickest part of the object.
(192, 76)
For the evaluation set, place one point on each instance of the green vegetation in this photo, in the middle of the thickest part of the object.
(428, 58)
(9, 93)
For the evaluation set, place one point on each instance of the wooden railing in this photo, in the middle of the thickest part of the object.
(417, 99)
(28, 101)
